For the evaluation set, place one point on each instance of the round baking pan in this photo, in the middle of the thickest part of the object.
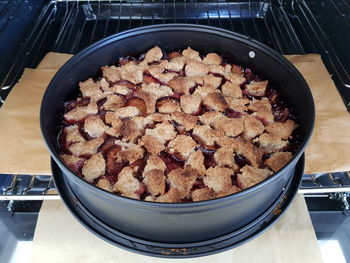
(167, 250)
(180, 222)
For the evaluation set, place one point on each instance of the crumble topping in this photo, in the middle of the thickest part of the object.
(250, 176)
(73, 135)
(127, 185)
(278, 160)
(176, 127)
(186, 120)
(218, 178)
(113, 102)
(190, 104)
(155, 182)
(257, 88)
(203, 194)
(94, 126)
(80, 113)
(94, 167)
(89, 88)
(182, 180)
(196, 161)
(182, 146)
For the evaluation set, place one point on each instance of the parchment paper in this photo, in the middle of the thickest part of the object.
(59, 238)
(23, 151)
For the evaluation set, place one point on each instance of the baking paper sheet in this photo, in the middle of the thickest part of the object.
(60, 238)
(23, 150)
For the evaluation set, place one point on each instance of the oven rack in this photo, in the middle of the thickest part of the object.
(288, 26)
(42, 187)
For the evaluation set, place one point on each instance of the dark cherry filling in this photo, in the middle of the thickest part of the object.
(141, 163)
(171, 161)
(233, 114)
(198, 184)
(208, 154)
(241, 161)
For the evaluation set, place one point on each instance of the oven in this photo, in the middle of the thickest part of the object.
(31, 29)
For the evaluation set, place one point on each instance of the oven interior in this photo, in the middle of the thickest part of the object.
(29, 29)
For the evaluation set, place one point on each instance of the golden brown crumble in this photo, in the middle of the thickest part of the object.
(175, 127)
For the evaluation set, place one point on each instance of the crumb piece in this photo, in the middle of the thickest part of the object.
(120, 89)
(218, 178)
(237, 69)
(164, 132)
(190, 104)
(91, 89)
(172, 196)
(237, 79)
(196, 161)
(127, 185)
(192, 54)
(184, 119)
(94, 126)
(127, 112)
(182, 180)
(262, 110)
(86, 148)
(154, 162)
(158, 117)
(94, 167)
(207, 135)
(156, 90)
(195, 68)
(251, 176)
(152, 144)
(157, 71)
(205, 90)
(230, 89)
(225, 157)
(113, 103)
(116, 122)
(257, 88)
(210, 80)
(249, 151)
(175, 64)
(232, 190)
(182, 146)
(130, 131)
(154, 54)
(132, 72)
(149, 100)
(215, 101)
(209, 117)
(239, 105)
(104, 85)
(232, 127)
(271, 143)
(72, 134)
(212, 59)
(221, 70)
(168, 106)
(280, 129)
(181, 84)
(80, 113)
(278, 160)
(202, 194)
(252, 127)
(129, 152)
(105, 185)
(111, 73)
(155, 182)
(74, 163)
